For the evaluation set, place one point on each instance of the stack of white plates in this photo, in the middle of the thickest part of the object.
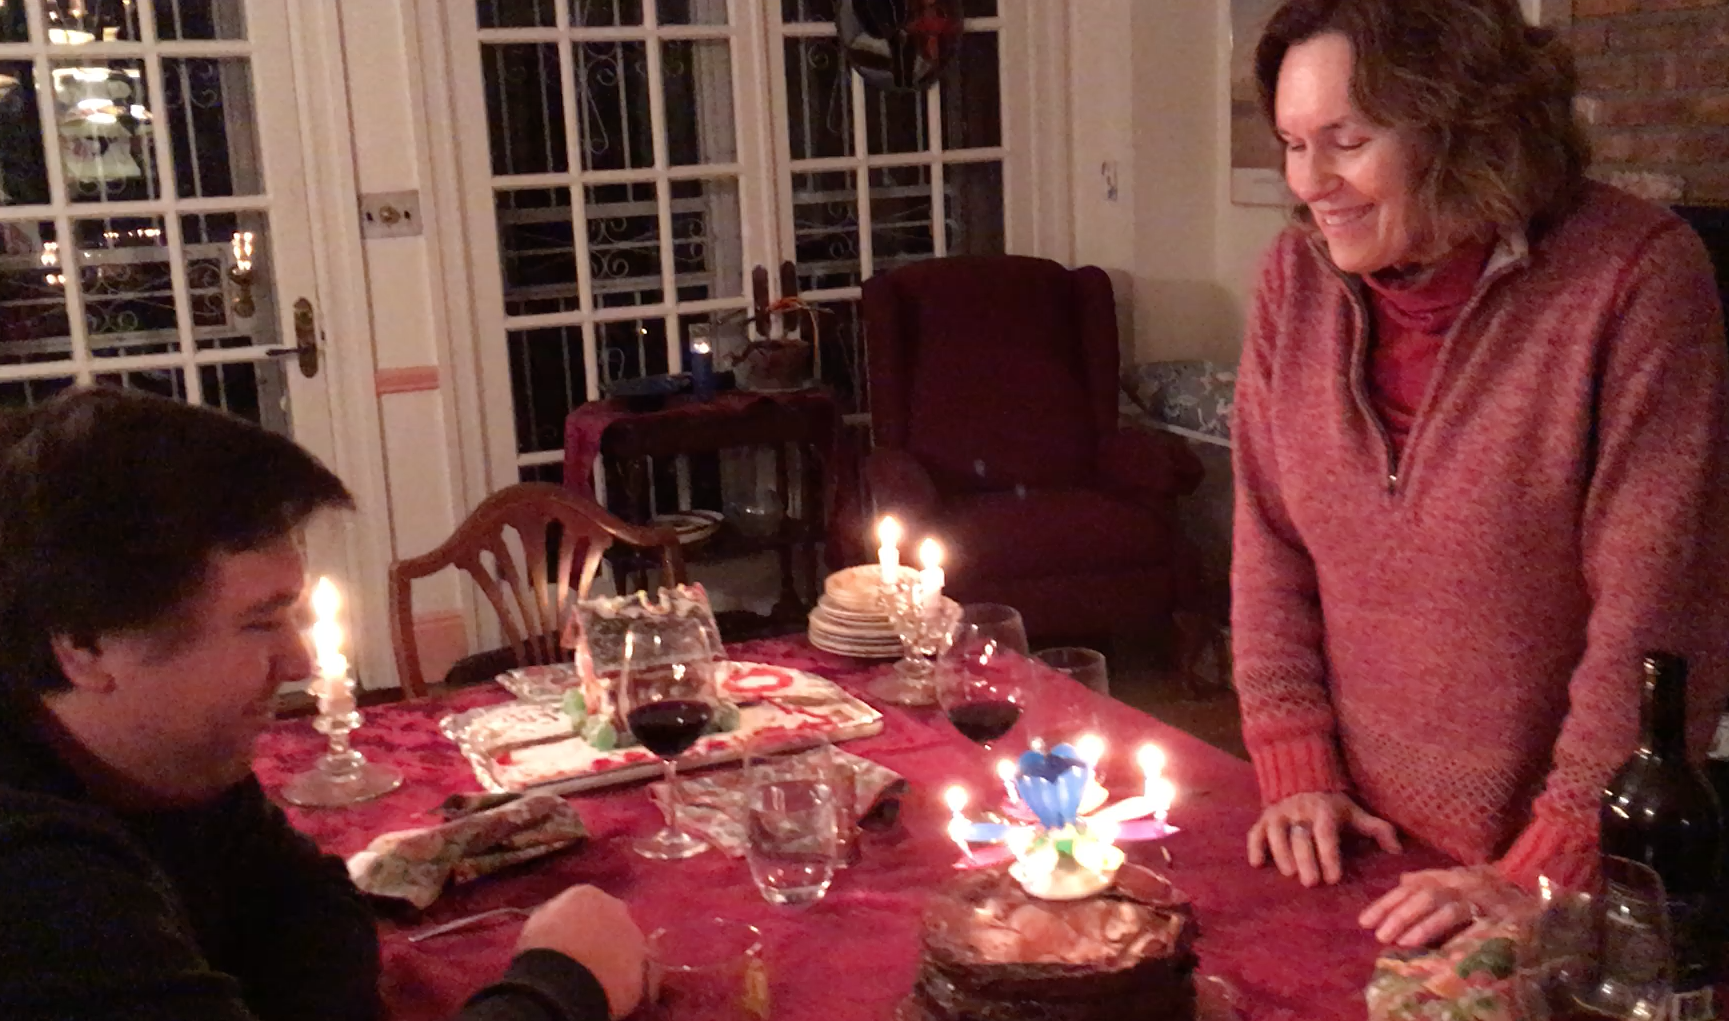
(849, 618)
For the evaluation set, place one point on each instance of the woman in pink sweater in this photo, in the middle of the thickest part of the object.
(1481, 460)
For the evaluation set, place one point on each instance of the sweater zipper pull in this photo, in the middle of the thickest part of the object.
(1392, 482)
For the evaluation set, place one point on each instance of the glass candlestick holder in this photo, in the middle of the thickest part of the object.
(342, 776)
(925, 628)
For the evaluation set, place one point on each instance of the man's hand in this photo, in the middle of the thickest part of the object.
(1427, 907)
(1302, 832)
(598, 933)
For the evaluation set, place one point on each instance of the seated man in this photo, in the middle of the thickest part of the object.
(151, 602)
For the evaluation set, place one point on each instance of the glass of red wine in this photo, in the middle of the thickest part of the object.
(668, 697)
(978, 686)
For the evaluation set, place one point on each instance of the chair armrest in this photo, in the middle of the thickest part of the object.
(899, 485)
(1147, 466)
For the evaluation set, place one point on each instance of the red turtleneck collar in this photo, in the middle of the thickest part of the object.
(1412, 316)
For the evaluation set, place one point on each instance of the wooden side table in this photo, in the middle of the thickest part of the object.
(807, 419)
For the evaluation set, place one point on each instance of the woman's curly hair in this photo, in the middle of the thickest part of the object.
(1486, 98)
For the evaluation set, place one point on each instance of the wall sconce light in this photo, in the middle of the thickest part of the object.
(241, 274)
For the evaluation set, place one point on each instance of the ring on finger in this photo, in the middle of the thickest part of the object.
(1300, 827)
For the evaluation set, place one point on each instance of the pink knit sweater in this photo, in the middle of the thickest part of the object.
(1454, 636)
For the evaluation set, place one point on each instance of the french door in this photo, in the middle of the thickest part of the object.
(154, 229)
(626, 164)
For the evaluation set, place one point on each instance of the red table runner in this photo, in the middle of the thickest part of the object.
(1290, 953)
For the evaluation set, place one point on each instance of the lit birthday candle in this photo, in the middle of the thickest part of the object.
(888, 549)
(1162, 792)
(1151, 759)
(956, 800)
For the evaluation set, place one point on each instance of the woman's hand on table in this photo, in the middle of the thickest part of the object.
(1426, 907)
(1302, 835)
(597, 932)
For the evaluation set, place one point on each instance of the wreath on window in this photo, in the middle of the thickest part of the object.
(900, 45)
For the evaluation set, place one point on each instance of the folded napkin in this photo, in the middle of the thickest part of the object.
(713, 805)
(414, 865)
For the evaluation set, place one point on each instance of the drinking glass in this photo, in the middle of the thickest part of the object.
(792, 823)
(1085, 665)
(998, 621)
(707, 966)
(978, 686)
(667, 693)
(1605, 954)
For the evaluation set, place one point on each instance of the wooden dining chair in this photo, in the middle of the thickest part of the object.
(526, 588)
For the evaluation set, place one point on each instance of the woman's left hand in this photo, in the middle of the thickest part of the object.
(1426, 907)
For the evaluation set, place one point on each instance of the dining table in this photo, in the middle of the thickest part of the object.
(1277, 951)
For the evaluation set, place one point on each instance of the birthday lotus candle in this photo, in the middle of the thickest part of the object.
(1069, 849)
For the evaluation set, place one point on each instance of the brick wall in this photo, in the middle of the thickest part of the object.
(1654, 91)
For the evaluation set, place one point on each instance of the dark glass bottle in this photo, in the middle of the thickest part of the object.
(1660, 811)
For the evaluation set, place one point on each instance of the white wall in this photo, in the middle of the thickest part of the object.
(421, 449)
(1149, 91)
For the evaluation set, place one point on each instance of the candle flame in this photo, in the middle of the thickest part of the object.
(930, 555)
(1005, 769)
(325, 599)
(1162, 792)
(956, 798)
(889, 531)
(1091, 748)
(1151, 759)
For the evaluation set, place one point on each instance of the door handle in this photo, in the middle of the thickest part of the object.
(305, 340)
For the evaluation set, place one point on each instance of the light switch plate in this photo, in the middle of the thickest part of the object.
(390, 214)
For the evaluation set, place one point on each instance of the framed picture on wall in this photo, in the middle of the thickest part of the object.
(1256, 175)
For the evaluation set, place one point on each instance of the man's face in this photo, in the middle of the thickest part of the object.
(202, 689)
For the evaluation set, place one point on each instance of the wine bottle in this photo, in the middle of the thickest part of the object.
(1662, 813)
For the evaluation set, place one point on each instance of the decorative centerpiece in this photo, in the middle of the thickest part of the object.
(775, 359)
(1058, 831)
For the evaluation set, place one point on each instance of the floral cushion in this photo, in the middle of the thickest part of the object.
(1194, 395)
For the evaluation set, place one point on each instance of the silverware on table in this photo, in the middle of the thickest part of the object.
(464, 922)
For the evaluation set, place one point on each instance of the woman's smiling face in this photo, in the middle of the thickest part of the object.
(1356, 177)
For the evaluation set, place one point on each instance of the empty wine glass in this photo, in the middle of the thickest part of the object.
(668, 696)
(999, 621)
(979, 686)
(1605, 954)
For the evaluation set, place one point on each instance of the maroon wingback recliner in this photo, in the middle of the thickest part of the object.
(993, 383)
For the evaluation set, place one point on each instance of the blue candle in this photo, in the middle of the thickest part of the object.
(702, 370)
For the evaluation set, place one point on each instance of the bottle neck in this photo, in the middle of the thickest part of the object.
(1663, 711)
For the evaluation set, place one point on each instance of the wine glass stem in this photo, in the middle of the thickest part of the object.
(670, 768)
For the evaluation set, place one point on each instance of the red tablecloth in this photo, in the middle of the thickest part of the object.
(1290, 953)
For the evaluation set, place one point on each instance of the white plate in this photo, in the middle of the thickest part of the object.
(690, 526)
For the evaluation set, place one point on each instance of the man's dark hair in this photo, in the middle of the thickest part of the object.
(112, 503)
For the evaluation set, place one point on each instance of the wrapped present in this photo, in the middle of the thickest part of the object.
(1472, 977)
(415, 865)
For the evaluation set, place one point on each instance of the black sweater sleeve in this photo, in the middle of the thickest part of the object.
(541, 985)
(300, 937)
(90, 928)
